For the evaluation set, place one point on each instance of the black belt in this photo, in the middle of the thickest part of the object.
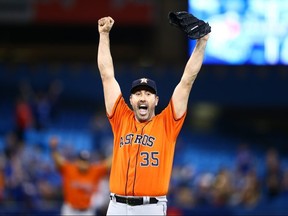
(133, 201)
(81, 209)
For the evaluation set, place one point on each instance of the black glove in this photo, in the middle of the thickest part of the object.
(191, 25)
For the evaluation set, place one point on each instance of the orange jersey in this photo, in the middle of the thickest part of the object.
(79, 187)
(143, 152)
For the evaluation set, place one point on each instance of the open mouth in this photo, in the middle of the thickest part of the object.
(143, 109)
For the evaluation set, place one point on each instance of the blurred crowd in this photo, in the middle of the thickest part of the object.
(244, 187)
(36, 108)
(27, 175)
(29, 181)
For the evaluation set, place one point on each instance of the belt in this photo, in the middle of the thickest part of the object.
(81, 209)
(133, 201)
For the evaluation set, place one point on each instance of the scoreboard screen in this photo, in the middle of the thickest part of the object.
(251, 32)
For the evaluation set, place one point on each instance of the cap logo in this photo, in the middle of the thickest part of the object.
(144, 80)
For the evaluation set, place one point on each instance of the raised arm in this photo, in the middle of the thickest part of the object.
(56, 156)
(182, 91)
(111, 87)
(108, 161)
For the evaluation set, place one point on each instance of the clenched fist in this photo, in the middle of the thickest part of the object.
(105, 24)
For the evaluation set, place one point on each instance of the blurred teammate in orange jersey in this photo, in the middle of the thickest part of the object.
(80, 180)
(144, 143)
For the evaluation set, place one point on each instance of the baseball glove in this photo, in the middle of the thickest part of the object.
(191, 25)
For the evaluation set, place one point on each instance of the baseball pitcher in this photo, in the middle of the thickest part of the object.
(144, 143)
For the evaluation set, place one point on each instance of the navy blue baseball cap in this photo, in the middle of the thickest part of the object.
(143, 83)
